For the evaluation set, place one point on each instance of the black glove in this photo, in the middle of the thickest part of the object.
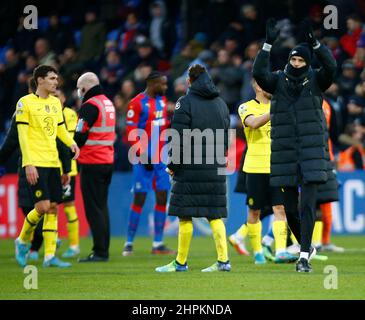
(271, 31)
(308, 32)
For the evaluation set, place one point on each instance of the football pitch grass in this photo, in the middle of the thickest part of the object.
(134, 278)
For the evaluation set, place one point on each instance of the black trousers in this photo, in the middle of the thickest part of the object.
(301, 216)
(95, 181)
(37, 236)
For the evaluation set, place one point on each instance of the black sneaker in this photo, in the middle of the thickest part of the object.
(92, 257)
(303, 266)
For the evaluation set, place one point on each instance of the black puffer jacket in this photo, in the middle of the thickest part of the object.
(298, 152)
(198, 190)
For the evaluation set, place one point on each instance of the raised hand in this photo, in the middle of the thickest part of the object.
(272, 32)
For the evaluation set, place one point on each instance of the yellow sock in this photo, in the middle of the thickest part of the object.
(254, 233)
(317, 233)
(220, 239)
(30, 222)
(243, 230)
(72, 225)
(185, 235)
(293, 238)
(280, 234)
(49, 234)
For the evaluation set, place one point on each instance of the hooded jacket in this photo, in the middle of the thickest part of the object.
(199, 188)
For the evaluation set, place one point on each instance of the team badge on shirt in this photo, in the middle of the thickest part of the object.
(178, 105)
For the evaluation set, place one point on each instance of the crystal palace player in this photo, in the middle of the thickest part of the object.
(148, 111)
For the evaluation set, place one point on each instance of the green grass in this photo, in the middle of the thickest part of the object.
(134, 277)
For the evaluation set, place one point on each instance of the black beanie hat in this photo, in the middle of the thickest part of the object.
(302, 50)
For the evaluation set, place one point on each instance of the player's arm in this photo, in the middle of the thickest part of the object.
(133, 114)
(326, 74)
(66, 138)
(88, 114)
(250, 120)
(22, 122)
(256, 122)
(266, 79)
(64, 156)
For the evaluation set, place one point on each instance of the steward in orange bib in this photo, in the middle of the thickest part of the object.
(95, 134)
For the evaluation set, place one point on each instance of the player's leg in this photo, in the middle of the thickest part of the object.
(317, 230)
(237, 240)
(308, 198)
(280, 232)
(72, 220)
(133, 221)
(50, 222)
(158, 246)
(162, 188)
(184, 240)
(220, 240)
(42, 204)
(37, 238)
(142, 183)
(258, 196)
(326, 209)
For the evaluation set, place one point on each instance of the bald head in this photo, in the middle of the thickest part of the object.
(87, 81)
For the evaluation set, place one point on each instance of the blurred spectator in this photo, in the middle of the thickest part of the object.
(111, 74)
(181, 61)
(334, 98)
(356, 106)
(247, 92)
(93, 35)
(24, 39)
(8, 77)
(348, 79)
(180, 88)
(128, 33)
(43, 52)
(145, 54)
(228, 79)
(70, 68)
(121, 145)
(349, 40)
(161, 30)
(127, 90)
(59, 35)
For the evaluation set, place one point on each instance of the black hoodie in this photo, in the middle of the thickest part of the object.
(199, 191)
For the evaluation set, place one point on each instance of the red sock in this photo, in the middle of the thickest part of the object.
(326, 209)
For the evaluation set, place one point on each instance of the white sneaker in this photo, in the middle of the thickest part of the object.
(293, 249)
(238, 245)
(332, 248)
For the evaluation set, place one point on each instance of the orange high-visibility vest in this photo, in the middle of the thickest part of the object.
(346, 161)
(328, 113)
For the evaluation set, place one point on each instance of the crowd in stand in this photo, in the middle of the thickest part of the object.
(167, 37)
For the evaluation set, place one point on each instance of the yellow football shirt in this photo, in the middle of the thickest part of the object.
(257, 158)
(71, 123)
(39, 122)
